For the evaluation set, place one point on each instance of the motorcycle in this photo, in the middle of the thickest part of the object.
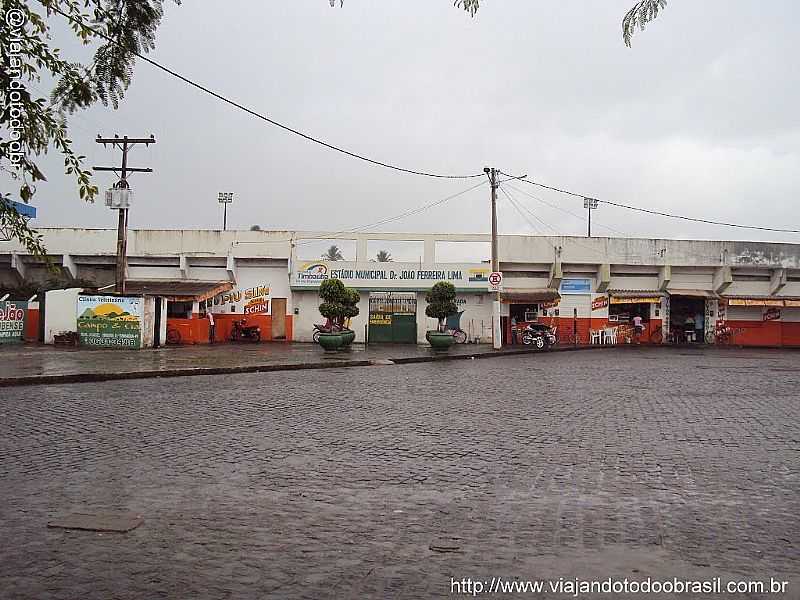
(538, 335)
(243, 331)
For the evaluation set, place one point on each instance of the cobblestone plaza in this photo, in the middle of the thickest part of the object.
(393, 481)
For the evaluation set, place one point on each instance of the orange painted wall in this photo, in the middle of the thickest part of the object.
(790, 334)
(757, 333)
(32, 325)
(192, 331)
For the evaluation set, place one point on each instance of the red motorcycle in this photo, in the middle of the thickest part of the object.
(242, 331)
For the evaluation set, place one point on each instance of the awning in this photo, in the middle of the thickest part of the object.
(178, 290)
(761, 301)
(635, 296)
(529, 296)
(693, 293)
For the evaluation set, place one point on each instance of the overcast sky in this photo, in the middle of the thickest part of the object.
(700, 117)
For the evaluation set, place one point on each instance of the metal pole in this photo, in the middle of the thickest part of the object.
(497, 333)
(590, 220)
(225, 217)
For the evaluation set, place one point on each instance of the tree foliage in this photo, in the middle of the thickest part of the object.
(333, 254)
(383, 256)
(121, 29)
(639, 16)
(338, 302)
(441, 302)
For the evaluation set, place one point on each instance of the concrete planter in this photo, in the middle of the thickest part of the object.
(331, 342)
(347, 337)
(440, 341)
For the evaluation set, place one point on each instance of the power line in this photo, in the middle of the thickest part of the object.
(259, 115)
(402, 215)
(657, 212)
(565, 211)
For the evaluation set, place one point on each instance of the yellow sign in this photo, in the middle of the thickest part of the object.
(636, 300)
(380, 319)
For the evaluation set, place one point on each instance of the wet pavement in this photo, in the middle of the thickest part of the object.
(39, 360)
(397, 481)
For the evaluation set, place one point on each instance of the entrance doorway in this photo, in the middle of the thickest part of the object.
(393, 318)
(687, 319)
(279, 318)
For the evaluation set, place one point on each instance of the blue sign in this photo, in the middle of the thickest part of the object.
(576, 286)
(24, 210)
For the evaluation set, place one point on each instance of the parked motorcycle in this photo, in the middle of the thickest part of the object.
(538, 335)
(242, 331)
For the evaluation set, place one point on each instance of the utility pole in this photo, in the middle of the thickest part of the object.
(590, 204)
(119, 196)
(497, 339)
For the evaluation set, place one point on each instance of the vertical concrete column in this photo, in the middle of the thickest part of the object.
(361, 249)
(429, 251)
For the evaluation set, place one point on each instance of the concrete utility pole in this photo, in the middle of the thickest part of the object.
(497, 339)
(123, 143)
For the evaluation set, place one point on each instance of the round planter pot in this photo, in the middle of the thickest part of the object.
(330, 341)
(347, 337)
(440, 341)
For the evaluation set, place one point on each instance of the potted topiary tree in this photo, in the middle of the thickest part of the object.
(352, 298)
(441, 303)
(334, 296)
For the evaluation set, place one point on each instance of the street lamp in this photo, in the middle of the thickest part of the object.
(225, 198)
(590, 204)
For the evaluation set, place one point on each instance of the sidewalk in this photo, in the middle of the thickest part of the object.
(37, 364)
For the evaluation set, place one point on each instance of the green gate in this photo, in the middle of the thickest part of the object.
(393, 318)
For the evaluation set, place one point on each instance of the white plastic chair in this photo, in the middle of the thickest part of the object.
(596, 336)
(611, 335)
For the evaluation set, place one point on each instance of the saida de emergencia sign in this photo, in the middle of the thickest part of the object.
(12, 321)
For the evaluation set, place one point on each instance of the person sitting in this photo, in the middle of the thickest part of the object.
(638, 328)
(688, 328)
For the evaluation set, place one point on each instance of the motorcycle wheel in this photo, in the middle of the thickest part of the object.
(256, 336)
(539, 343)
(315, 337)
(460, 335)
(527, 339)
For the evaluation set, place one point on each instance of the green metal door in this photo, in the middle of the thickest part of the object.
(393, 318)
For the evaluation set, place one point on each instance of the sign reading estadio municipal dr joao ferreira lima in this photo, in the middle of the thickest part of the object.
(391, 275)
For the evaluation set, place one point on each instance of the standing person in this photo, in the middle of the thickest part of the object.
(699, 326)
(211, 327)
(513, 330)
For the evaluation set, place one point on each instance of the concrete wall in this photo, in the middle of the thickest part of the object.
(60, 313)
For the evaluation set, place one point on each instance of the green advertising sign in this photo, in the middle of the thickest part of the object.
(12, 321)
(110, 321)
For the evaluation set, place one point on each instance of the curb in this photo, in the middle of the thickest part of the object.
(191, 372)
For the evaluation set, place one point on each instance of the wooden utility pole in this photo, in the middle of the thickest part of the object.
(123, 143)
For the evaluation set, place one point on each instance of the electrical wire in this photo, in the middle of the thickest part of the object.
(402, 215)
(261, 116)
(655, 212)
(565, 211)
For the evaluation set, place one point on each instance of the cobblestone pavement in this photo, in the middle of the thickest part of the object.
(387, 481)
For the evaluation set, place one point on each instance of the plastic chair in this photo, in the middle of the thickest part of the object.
(611, 335)
(596, 336)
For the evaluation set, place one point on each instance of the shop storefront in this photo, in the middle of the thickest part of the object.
(524, 307)
(625, 306)
(692, 316)
(761, 320)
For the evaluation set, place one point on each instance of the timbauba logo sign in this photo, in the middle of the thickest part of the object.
(479, 275)
(312, 272)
